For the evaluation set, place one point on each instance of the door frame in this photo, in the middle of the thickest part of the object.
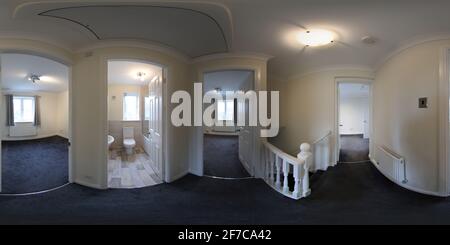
(443, 122)
(198, 169)
(68, 63)
(355, 80)
(104, 72)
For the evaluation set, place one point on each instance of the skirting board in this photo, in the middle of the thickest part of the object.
(222, 133)
(90, 185)
(177, 176)
(431, 193)
(31, 138)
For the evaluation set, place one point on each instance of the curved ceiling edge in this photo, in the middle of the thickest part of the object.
(361, 68)
(135, 44)
(219, 13)
(242, 55)
(409, 44)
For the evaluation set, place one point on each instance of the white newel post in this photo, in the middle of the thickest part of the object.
(305, 154)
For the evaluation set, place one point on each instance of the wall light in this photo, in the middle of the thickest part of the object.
(316, 37)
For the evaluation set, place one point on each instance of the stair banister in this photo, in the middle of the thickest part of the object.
(279, 165)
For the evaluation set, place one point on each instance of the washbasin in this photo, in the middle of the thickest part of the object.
(110, 140)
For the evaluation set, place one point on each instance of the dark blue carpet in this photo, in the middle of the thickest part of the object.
(345, 194)
(221, 157)
(34, 165)
(354, 148)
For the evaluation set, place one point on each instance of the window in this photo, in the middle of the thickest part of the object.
(23, 109)
(147, 108)
(130, 107)
(225, 110)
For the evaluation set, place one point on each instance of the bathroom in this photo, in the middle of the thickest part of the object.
(129, 162)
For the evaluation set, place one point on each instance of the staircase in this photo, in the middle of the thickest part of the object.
(279, 167)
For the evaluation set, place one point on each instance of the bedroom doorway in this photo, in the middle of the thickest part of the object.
(354, 121)
(36, 124)
(227, 147)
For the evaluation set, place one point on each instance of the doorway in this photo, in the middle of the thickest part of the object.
(227, 147)
(353, 121)
(135, 124)
(35, 127)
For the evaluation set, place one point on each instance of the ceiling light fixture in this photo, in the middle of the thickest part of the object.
(34, 78)
(316, 37)
(141, 76)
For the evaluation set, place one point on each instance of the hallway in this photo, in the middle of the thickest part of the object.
(345, 194)
(354, 148)
(221, 157)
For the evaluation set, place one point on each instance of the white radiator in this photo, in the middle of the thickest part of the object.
(22, 130)
(391, 164)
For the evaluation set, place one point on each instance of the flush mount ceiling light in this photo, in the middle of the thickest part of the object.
(34, 78)
(141, 76)
(316, 37)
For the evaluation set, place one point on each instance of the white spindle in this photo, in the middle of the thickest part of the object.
(278, 169)
(271, 166)
(296, 172)
(285, 176)
(266, 153)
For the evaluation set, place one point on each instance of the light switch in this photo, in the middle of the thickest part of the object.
(423, 102)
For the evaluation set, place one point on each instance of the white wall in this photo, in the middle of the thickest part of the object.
(62, 114)
(352, 113)
(308, 104)
(399, 124)
(54, 114)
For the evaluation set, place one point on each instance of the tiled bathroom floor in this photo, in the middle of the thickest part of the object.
(130, 171)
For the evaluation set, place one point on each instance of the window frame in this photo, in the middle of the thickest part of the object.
(124, 106)
(22, 98)
(225, 101)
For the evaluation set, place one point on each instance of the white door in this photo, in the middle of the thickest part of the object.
(366, 120)
(155, 125)
(245, 137)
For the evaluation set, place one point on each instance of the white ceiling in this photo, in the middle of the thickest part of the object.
(225, 80)
(262, 26)
(353, 90)
(16, 68)
(125, 72)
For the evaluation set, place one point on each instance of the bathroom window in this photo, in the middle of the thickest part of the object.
(225, 110)
(130, 107)
(23, 109)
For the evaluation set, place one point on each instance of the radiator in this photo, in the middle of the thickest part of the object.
(22, 130)
(391, 164)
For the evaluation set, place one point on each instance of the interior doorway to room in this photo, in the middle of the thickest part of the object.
(354, 121)
(135, 124)
(228, 148)
(35, 125)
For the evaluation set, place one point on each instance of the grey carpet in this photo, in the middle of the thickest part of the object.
(345, 194)
(221, 157)
(354, 148)
(34, 165)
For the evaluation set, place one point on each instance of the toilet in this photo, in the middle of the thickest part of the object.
(128, 140)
